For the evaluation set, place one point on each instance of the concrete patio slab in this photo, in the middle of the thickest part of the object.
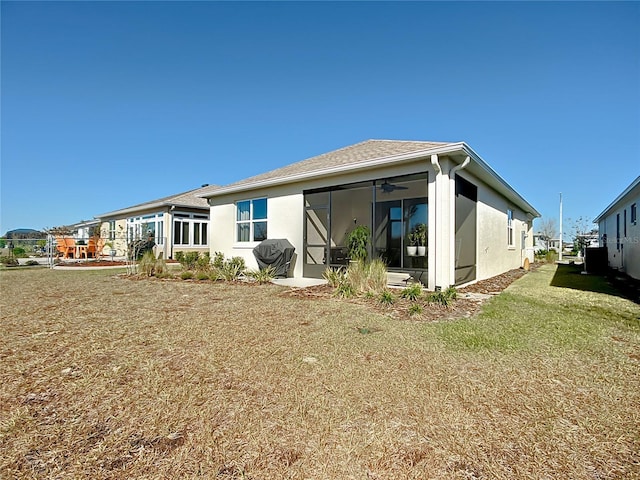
(299, 282)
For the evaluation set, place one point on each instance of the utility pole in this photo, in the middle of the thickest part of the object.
(561, 242)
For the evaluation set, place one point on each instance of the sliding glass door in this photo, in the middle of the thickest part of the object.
(395, 209)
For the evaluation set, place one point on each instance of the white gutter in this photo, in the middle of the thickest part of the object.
(150, 206)
(459, 167)
(436, 163)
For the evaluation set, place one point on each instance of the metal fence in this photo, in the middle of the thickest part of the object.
(46, 251)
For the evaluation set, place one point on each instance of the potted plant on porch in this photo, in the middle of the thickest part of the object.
(357, 242)
(412, 248)
(421, 234)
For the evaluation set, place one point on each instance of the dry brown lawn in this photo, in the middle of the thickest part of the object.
(108, 377)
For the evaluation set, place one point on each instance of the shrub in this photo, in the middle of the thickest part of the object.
(377, 275)
(19, 252)
(8, 261)
(186, 275)
(335, 276)
(229, 270)
(367, 276)
(262, 276)
(415, 309)
(238, 262)
(32, 263)
(344, 290)
(444, 298)
(359, 277)
(203, 263)
(451, 292)
(189, 260)
(218, 259)
(386, 298)
(149, 265)
(202, 275)
(412, 292)
(179, 257)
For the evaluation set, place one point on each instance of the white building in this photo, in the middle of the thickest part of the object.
(619, 231)
(478, 226)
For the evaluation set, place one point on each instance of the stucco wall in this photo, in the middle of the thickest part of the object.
(120, 242)
(285, 213)
(494, 254)
(627, 257)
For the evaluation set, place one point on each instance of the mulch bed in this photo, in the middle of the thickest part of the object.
(97, 263)
(467, 304)
(100, 263)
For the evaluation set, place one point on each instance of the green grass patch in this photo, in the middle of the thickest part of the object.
(536, 314)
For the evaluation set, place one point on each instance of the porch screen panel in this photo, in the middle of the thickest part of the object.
(465, 236)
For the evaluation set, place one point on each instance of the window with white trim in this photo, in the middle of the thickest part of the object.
(146, 226)
(112, 230)
(510, 243)
(634, 213)
(190, 229)
(251, 220)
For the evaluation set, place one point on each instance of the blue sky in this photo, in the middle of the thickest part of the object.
(110, 104)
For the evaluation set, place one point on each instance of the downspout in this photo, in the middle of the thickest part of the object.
(171, 227)
(452, 216)
(436, 163)
(433, 260)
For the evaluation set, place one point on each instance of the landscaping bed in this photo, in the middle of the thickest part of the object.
(468, 302)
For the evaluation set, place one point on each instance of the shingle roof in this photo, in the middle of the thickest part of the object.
(350, 155)
(190, 199)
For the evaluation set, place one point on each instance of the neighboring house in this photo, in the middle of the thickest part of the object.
(83, 230)
(176, 223)
(554, 244)
(478, 226)
(541, 242)
(619, 230)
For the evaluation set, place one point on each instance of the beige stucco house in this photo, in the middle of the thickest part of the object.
(176, 223)
(477, 225)
(619, 231)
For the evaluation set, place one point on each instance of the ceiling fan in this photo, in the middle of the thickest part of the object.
(390, 187)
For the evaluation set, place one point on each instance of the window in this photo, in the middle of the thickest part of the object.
(251, 220)
(190, 229)
(112, 229)
(510, 243)
(145, 227)
(200, 233)
(618, 231)
(625, 222)
(634, 214)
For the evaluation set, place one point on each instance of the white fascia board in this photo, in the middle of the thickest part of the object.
(127, 212)
(626, 191)
(366, 165)
(130, 210)
(500, 184)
